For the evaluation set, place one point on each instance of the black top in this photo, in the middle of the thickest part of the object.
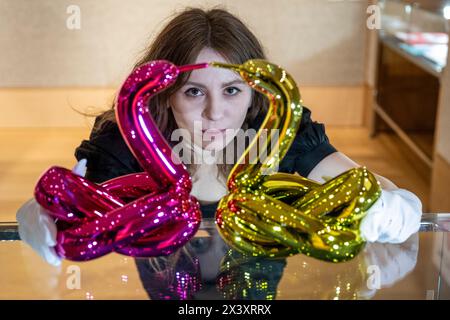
(108, 156)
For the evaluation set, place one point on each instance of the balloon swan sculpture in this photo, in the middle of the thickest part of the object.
(145, 214)
(278, 214)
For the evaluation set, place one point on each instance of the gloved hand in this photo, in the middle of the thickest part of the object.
(393, 217)
(38, 229)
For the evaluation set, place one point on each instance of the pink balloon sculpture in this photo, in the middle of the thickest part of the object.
(141, 215)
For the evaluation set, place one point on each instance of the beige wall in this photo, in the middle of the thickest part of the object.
(320, 42)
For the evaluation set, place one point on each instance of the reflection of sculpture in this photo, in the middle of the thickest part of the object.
(206, 268)
(242, 277)
(176, 277)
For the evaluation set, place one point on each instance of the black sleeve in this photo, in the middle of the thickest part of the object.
(107, 154)
(310, 146)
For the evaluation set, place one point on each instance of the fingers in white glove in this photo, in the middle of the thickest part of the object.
(393, 217)
(38, 229)
(372, 222)
(80, 168)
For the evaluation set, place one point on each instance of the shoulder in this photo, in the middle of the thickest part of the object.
(310, 146)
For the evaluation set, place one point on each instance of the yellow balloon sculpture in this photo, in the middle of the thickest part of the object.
(272, 214)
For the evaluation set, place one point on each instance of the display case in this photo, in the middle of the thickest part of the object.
(412, 52)
(207, 268)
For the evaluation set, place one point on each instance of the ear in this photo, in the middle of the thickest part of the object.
(169, 102)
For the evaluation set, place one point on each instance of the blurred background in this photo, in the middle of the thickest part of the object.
(372, 71)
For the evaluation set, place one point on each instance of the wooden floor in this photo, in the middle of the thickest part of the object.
(27, 153)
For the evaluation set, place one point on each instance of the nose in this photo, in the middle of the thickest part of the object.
(214, 109)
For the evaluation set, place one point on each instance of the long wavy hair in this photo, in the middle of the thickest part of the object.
(180, 42)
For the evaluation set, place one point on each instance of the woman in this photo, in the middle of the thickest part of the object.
(218, 100)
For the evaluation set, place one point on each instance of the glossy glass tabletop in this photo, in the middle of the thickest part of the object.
(206, 268)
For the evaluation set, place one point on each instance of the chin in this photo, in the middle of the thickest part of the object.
(214, 146)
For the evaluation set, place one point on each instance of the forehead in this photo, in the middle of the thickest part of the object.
(209, 55)
(212, 74)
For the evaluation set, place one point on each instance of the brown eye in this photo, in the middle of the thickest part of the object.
(232, 91)
(193, 92)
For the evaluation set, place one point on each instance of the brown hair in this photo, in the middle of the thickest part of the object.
(180, 42)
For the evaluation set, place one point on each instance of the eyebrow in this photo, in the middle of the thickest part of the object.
(226, 84)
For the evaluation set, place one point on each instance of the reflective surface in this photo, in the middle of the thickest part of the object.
(206, 268)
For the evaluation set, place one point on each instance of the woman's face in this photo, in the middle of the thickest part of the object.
(211, 101)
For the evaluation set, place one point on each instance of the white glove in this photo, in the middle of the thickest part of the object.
(393, 217)
(38, 229)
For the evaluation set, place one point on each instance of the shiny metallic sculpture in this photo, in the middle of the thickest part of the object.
(277, 214)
